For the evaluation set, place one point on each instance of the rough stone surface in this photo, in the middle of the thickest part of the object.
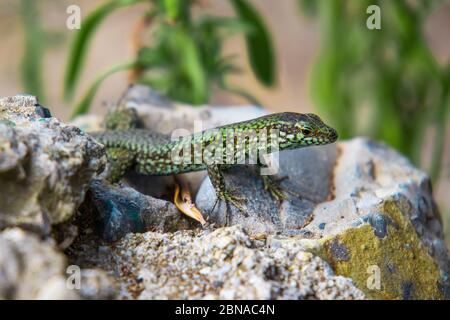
(224, 264)
(382, 215)
(45, 165)
(30, 268)
(369, 207)
(119, 210)
(96, 284)
(308, 171)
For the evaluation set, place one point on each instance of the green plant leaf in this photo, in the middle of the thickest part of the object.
(32, 58)
(172, 8)
(259, 43)
(83, 106)
(81, 42)
(176, 57)
(191, 66)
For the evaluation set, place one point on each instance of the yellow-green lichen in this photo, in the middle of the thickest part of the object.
(406, 269)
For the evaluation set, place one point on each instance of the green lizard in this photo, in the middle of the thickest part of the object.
(151, 153)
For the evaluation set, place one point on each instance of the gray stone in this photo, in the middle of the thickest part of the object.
(359, 205)
(31, 269)
(224, 264)
(119, 209)
(158, 114)
(343, 188)
(97, 284)
(45, 165)
(308, 171)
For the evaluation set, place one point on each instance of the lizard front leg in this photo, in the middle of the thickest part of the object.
(218, 181)
(119, 161)
(272, 185)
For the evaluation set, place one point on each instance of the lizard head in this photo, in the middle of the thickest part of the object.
(301, 130)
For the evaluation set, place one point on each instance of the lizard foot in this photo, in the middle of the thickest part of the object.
(273, 186)
(229, 199)
(234, 200)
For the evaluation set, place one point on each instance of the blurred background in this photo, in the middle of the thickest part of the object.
(390, 83)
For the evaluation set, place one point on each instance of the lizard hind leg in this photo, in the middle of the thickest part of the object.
(119, 161)
(222, 192)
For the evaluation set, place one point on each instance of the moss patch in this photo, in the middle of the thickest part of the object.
(406, 269)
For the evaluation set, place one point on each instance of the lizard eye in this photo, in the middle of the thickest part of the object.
(306, 131)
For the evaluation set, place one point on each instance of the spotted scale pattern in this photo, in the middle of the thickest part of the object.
(152, 153)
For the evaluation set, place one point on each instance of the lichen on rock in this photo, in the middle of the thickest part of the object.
(401, 260)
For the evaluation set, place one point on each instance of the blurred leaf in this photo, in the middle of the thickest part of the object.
(190, 65)
(172, 8)
(229, 25)
(173, 11)
(184, 59)
(148, 56)
(259, 43)
(176, 58)
(55, 38)
(161, 82)
(82, 40)
(32, 59)
(388, 75)
(441, 123)
(84, 104)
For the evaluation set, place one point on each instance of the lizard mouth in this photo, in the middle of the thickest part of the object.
(333, 135)
(329, 136)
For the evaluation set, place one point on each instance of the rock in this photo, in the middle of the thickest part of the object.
(308, 171)
(30, 268)
(88, 122)
(97, 284)
(361, 204)
(157, 113)
(382, 217)
(119, 210)
(363, 213)
(45, 165)
(224, 264)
